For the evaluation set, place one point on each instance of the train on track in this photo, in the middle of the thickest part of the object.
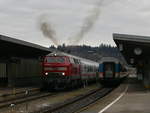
(61, 70)
(111, 71)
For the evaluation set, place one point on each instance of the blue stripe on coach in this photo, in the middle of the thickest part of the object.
(101, 68)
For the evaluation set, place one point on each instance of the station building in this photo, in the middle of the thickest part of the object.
(136, 51)
(20, 62)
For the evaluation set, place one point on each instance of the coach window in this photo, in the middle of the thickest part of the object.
(88, 68)
(81, 68)
(85, 68)
(92, 69)
(71, 60)
(79, 62)
(76, 61)
(96, 69)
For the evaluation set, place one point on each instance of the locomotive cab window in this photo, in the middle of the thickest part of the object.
(109, 69)
(55, 59)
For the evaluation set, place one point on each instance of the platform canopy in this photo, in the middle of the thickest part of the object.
(10, 47)
(134, 48)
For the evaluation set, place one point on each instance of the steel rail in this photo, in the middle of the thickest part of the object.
(74, 104)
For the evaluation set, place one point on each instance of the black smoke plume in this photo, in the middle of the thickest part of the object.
(47, 30)
(88, 23)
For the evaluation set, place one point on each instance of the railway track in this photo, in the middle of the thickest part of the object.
(74, 104)
(14, 92)
(12, 96)
(23, 98)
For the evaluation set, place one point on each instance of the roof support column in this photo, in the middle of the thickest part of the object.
(146, 76)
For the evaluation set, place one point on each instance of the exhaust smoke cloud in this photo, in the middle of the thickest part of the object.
(88, 24)
(47, 30)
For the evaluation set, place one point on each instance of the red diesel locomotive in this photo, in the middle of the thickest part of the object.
(61, 70)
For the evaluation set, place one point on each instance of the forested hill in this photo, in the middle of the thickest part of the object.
(93, 53)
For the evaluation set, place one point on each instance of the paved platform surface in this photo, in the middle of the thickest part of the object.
(135, 100)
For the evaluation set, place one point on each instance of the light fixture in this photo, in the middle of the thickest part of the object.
(138, 51)
(132, 60)
(120, 47)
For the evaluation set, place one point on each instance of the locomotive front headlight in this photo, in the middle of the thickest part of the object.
(46, 73)
(63, 73)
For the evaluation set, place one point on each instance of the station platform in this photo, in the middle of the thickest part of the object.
(134, 101)
(5, 91)
(129, 98)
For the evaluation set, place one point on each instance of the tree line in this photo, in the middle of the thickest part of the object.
(89, 52)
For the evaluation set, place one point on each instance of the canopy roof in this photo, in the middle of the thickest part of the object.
(10, 47)
(131, 46)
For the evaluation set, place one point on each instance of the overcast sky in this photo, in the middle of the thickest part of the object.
(19, 19)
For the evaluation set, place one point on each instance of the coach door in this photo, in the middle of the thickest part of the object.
(109, 70)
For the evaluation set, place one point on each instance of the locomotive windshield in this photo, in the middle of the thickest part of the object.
(109, 69)
(55, 59)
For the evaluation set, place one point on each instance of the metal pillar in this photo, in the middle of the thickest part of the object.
(146, 75)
